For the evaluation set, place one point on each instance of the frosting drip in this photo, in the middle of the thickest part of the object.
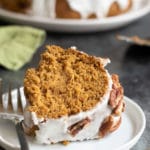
(44, 8)
(98, 7)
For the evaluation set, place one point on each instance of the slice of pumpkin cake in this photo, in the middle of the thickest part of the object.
(71, 97)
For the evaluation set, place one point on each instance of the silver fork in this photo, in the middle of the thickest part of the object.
(14, 115)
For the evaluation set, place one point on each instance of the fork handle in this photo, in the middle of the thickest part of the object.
(21, 136)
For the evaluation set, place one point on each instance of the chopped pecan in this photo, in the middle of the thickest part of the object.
(117, 92)
(115, 80)
(77, 127)
(106, 125)
(115, 125)
(109, 125)
(119, 109)
(113, 95)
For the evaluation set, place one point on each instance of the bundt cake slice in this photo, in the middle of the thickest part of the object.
(71, 97)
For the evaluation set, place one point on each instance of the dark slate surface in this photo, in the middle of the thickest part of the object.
(130, 62)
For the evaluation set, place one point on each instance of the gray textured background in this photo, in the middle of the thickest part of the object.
(130, 62)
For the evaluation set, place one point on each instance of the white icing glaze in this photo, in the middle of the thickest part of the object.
(123, 4)
(98, 7)
(38, 8)
(44, 8)
(50, 7)
(56, 130)
(137, 4)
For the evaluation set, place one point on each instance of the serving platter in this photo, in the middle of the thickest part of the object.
(75, 25)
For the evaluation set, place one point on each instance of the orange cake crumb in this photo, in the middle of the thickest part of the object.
(65, 82)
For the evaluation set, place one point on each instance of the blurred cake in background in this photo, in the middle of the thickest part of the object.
(71, 9)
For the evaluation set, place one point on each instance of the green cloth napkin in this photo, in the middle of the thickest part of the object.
(18, 44)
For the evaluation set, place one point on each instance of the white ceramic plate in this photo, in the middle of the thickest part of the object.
(63, 25)
(132, 127)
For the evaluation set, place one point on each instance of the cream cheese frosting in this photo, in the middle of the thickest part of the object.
(56, 130)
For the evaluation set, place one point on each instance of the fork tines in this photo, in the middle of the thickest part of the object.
(10, 108)
(1, 98)
(10, 113)
(10, 105)
(19, 106)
